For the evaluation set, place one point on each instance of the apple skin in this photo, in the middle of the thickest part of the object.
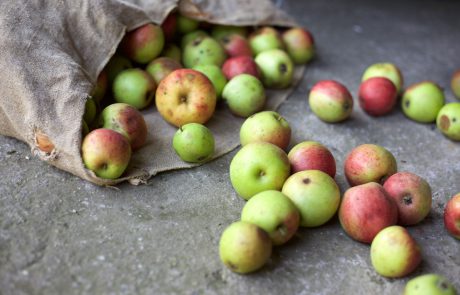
(448, 120)
(412, 195)
(172, 51)
(185, 24)
(106, 152)
(264, 39)
(299, 45)
(365, 210)
(455, 84)
(100, 88)
(90, 111)
(203, 51)
(126, 120)
(421, 102)
(236, 45)
(194, 143)
(84, 132)
(116, 65)
(238, 65)
(311, 155)
(273, 212)
(190, 37)
(385, 70)
(377, 96)
(244, 95)
(394, 253)
(330, 101)
(134, 87)
(220, 32)
(315, 194)
(257, 167)
(160, 67)
(452, 216)
(143, 44)
(215, 75)
(276, 67)
(185, 96)
(429, 284)
(169, 27)
(268, 126)
(244, 247)
(369, 163)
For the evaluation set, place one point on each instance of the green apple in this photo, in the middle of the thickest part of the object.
(90, 111)
(299, 45)
(385, 70)
(116, 65)
(257, 167)
(315, 194)
(160, 67)
(276, 67)
(172, 51)
(143, 44)
(214, 73)
(429, 284)
(84, 129)
(265, 38)
(244, 95)
(421, 102)
(203, 51)
(134, 87)
(219, 32)
(189, 37)
(448, 120)
(194, 143)
(455, 84)
(185, 24)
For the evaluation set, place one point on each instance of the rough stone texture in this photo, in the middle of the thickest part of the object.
(62, 235)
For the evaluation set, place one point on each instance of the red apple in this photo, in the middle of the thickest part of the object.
(377, 96)
(240, 65)
(452, 216)
(311, 155)
(100, 88)
(143, 44)
(169, 26)
(236, 45)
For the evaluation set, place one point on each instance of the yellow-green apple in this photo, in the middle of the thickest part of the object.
(169, 26)
(429, 284)
(422, 101)
(299, 45)
(160, 67)
(385, 70)
(215, 75)
(185, 96)
(452, 216)
(264, 39)
(330, 101)
(116, 65)
(268, 126)
(203, 51)
(273, 212)
(412, 195)
(369, 163)
(172, 51)
(126, 120)
(100, 88)
(189, 37)
(185, 24)
(238, 65)
(257, 167)
(394, 252)
(276, 68)
(311, 155)
(143, 44)
(455, 84)
(90, 111)
(244, 95)
(134, 87)
(377, 96)
(194, 143)
(315, 194)
(220, 32)
(106, 153)
(365, 210)
(236, 45)
(244, 247)
(448, 120)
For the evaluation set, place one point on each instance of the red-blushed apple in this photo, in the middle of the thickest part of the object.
(276, 68)
(273, 212)
(244, 95)
(236, 45)
(369, 163)
(190, 37)
(100, 88)
(311, 155)
(315, 194)
(422, 101)
(116, 65)
(185, 24)
(169, 26)
(238, 65)
(365, 210)
(429, 284)
(172, 51)
(220, 32)
(143, 44)
(299, 45)
(455, 84)
(377, 96)
(134, 87)
(452, 216)
(194, 143)
(268, 126)
(160, 67)
(106, 152)
(412, 195)
(448, 120)
(330, 101)
(394, 252)
(265, 38)
(385, 70)
(257, 167)
(215, 75)
(203, 51)
(126, 120)
(185, 96)
(244, 247)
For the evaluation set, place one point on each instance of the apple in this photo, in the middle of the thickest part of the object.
(257, 167)
(90, 111)
(172, 51)
(169, 27)
(126, 120)
(143, 44)
(236, 45)
(116, 65)
(330, 101)
(448, 120)
(311, 155)
(394, 253)
(365, 210)
(377, 96)
(215, 75)
(203, 51)
(238, 65)
(452, 216)
(412, 195)
(244, 95)
(385, 70)
(455, 84)
(273, 212)
(220, 32)
(421, 102)
(299, 45)
(315, 194)
(100, 88)
(265, 38)
(185, 96)
(429, 284)
(84, 132)
(369, 163)
(190, 37)
(244, 247)
(185, 24)
(268, 126)
(276, 67)
(106, 152)
(194, 143)
(134, 87)
(160, 67)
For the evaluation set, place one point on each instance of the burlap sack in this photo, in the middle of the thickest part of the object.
(51, 53)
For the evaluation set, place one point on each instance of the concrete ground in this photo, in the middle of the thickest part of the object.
(62, 235)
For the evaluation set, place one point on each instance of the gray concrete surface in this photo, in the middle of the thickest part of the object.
(62, 235)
